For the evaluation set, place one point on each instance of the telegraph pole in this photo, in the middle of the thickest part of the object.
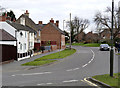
(70, 30)
(111, 51)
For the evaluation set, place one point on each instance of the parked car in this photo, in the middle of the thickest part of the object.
(104, 47)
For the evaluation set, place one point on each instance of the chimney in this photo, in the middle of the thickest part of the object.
(5, 14)
(27, 13)
(40, 22)
(57, 23)
(52, 21)
(14, 20)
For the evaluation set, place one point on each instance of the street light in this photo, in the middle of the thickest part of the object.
(70, 30)
(111, 51)
(63, 24)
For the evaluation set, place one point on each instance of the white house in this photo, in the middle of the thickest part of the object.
(24, 36)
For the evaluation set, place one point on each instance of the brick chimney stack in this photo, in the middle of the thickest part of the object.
(52, 21)
(27, 13)
(40, 22)
(57, 23)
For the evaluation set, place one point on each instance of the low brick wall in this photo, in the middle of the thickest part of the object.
(63, 47)
(53, 47)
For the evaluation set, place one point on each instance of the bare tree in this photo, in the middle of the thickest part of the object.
(105, 20)
(78, 25)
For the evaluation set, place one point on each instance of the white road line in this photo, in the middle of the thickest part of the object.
(70, 81)
(44, 84)
(92, 84)
(49, 83)
(33, 74)
(72, 69)
(84, 65)
(41, 84)
(90, 60)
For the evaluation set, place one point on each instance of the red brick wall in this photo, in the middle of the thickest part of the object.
(49, 33)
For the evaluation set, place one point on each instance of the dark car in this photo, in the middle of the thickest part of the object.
(104, 47)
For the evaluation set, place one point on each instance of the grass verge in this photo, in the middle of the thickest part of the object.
(86, 45)
(50, 58)
(112, 81)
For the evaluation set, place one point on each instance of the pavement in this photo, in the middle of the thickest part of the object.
(69, 71)
(16, 65)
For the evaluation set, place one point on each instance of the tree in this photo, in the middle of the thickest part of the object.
(105, 20)
(77, 26)
(11, 15)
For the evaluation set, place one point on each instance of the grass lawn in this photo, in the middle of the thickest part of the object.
(92, 45)
(118, 54)
(86, 45)
(50, 58)
(112, 81)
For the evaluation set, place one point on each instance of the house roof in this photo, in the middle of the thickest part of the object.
(6, 36)
(21, 27)
(30, 21)
(58, 28)
(55, 28)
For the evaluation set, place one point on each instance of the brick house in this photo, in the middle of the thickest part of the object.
(26, 20)
(52, 32)
(92, 37)
(80, 37)
(105, 34)
(4, 17)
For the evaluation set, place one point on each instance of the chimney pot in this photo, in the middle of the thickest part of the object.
(57, 23)
(27, 13)
(52, 21)
(40, 22)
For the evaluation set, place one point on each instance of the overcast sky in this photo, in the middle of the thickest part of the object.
(44, 10)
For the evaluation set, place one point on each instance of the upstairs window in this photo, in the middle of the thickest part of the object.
(22, 21)
(39, 32)
(25, 34)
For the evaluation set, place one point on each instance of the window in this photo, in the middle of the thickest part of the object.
(25, 34)
(25, 46)
(20, 46)
(29, 44)
(22, 21)
(21, 34)
(39, 32)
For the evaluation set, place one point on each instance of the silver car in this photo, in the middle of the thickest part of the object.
(104, 47)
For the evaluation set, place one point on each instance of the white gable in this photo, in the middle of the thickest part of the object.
(11, 30)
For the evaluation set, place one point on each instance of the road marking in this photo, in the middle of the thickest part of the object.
(41, 84)
(84, 65)
(44, 84)
(90, 60)
(49, 83)
(72, 69)
(90, 83)
(33, 74)
(70, 81)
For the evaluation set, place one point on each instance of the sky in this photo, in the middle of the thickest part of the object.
(44, 10)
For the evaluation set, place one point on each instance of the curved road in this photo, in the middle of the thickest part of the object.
(69, 71)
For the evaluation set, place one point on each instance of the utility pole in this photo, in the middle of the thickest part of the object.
(63, 24)
(70, 30)
(111, 51)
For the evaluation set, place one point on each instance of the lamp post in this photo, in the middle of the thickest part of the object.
(70, 30)
(63, 24)
(111, 51)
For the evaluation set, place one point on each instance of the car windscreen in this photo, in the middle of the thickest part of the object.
(105, 45)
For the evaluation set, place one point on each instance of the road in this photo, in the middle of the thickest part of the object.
(70, 71)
